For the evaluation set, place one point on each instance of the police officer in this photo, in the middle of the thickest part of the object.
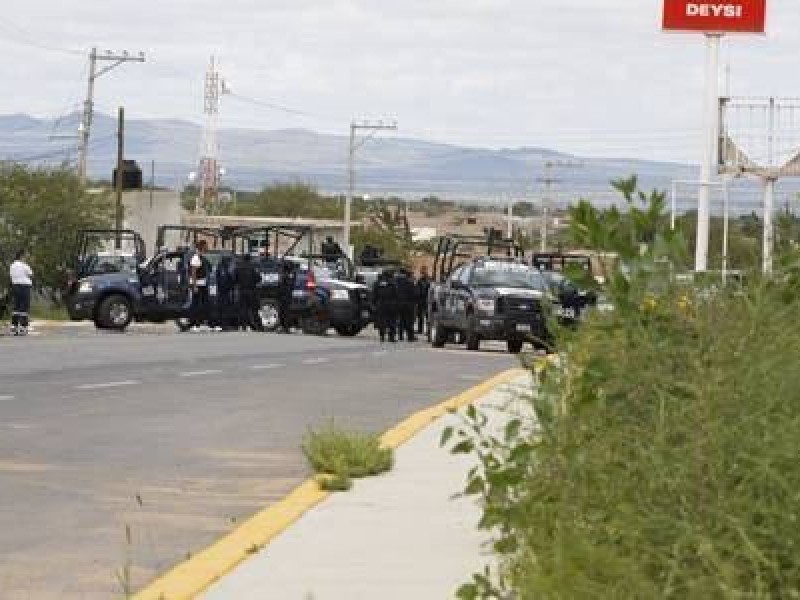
(246, 279)
(331, 250)
(288, 278)
(384, 297)
(423, 287)
(199, 271)
(21, 286)
(406, 303)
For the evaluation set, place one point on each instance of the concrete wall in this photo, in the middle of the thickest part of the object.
(145, 211)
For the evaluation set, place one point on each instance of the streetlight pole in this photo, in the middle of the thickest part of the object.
(372, 128)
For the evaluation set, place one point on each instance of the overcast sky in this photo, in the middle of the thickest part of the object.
(595, 77)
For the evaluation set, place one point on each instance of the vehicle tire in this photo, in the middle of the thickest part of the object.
(269, 315)
(184, 324)
(515, 346)
(314, 325)
(348, 330)
(438, 335)
(115, 312)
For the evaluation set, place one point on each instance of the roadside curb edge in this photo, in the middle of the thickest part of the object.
(192, 577)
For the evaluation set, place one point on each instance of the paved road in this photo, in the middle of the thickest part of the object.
(176, 438)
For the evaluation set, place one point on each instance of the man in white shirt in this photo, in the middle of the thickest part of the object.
(198, 280)
(21, 286)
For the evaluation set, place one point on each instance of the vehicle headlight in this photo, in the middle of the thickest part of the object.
(85, 287)
(340, 295)
(485, 305)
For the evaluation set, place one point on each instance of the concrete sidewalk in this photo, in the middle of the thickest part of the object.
(403, 535)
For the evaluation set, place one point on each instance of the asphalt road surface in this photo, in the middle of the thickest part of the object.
(122, 454)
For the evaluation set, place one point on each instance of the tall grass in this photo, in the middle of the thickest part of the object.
(664, 457)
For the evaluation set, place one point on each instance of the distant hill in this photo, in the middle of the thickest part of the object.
(394, 165)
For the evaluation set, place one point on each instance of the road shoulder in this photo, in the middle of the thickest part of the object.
(191, 578)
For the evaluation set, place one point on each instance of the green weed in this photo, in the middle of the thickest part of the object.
(342, 455)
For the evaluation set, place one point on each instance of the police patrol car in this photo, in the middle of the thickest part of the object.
(492, 298)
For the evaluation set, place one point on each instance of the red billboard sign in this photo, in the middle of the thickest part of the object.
(726, 16)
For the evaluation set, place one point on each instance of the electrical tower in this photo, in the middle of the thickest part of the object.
(84, 131)
(210, 172)
(549, 181)
(373, 128)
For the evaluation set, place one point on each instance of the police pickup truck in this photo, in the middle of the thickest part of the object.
(491, 298)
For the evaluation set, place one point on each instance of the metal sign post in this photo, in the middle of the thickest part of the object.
(713, 19)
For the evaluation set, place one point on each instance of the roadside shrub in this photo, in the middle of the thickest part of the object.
(660, 459)
(341, 455)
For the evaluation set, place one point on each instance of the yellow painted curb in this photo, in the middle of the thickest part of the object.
(190, 578)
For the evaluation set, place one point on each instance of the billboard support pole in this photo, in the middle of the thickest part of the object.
(769, 232)
(709, 150)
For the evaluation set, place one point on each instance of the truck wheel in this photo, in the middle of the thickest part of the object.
(114, 313)
(183, 324)
(515, 346)
(348, 330)
(438, 335)
(269, 314)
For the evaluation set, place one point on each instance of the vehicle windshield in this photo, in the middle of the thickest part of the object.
(508, 275)
(98, 265)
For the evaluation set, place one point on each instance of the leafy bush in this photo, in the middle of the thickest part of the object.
(341, 455)
(660, 460)
(41, 211)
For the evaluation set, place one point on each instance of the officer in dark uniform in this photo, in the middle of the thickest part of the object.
(423, 287)
(246, 279)
(406, 303)
(384, 296)
(331, 250)
(288, 278)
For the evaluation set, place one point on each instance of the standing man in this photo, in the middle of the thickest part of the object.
(423, 287)
(384, 296)
(288, 279)
(246, 279)
(199, 269)
(407, 302)
(331, 250)
(21, 286)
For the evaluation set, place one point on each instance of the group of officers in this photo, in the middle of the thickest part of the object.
(401, 302)
(238, 304)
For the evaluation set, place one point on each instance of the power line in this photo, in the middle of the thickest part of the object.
(23, 37)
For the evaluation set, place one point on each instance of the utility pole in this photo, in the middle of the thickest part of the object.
(372, 128)
(119, 179)
(84, 131)
(510, 218)
(549, 181)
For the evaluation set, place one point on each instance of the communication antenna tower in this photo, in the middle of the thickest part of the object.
(210, 171)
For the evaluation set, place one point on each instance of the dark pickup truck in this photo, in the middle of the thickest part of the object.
(491, 298)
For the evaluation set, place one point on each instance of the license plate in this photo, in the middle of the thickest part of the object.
(522, 328)
(299, 293)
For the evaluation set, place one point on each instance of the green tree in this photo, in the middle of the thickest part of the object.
(292, 200)
(42, 211)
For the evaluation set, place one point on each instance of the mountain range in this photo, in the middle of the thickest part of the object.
(385, 165)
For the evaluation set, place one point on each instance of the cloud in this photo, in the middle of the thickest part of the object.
(590, 76)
